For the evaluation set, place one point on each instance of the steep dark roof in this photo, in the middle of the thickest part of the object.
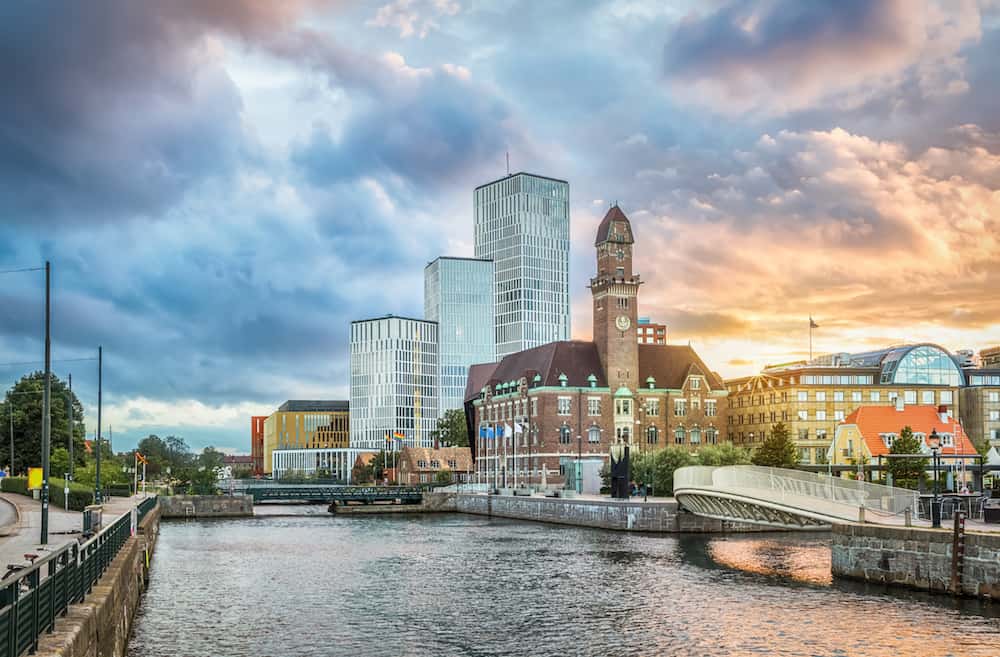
(574, 358)
(315, 405)
(671, 364)
(479, 376)
(613, 215)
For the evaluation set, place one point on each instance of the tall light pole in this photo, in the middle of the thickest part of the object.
(10, 407)
(46, 410)
(98, 498)
(70, 418)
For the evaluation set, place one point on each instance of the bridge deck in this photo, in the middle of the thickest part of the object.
(787, 498)
(365, 494)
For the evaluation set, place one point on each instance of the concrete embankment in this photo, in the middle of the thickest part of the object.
(432, 503)
(625, 515)
(916, 558)
(100, 625)
(206, 506)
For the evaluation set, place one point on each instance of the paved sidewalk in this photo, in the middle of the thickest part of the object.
(64, 526)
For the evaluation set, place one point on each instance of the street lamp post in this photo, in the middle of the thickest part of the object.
(46, 411)
(936, 501)
(98, 497)
(579, 462)
(70, 418)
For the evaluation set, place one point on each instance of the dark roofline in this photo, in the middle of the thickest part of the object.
(522, 173)
(315, 406)
(456, 258)
(391, 316)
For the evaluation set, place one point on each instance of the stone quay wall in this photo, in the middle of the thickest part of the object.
(622, 515)
(206, 506)
(915, 558)
(100, 625)
(432, 503)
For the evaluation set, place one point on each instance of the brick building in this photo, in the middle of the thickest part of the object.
(421, 465)
(567, 402)
(257, 443)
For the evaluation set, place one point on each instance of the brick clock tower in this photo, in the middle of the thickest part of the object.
(615, 290)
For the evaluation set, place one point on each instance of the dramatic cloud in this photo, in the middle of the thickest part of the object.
(223, 186)
(784, 55)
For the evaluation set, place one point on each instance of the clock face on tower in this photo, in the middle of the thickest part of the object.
(623, 323)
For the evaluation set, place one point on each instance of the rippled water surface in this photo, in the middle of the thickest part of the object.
(464, 585)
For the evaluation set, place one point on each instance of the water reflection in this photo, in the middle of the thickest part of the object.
(798, 557)
(450, 585)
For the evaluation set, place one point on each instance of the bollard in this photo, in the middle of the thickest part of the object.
(907, 518)
(861, 514)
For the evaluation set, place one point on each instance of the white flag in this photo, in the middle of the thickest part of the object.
(506, 429)
(518, 428)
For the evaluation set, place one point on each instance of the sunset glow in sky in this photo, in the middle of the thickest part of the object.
(222, 186)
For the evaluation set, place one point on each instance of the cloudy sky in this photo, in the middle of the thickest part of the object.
(222, 186)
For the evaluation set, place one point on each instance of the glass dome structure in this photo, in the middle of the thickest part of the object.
(921, 364)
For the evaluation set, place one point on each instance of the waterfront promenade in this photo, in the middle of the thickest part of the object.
(21, 521)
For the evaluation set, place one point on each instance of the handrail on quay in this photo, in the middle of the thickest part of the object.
(809, 491)
(33, 597)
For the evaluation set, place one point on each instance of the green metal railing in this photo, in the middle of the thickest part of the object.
(32, 598)
(280, 492)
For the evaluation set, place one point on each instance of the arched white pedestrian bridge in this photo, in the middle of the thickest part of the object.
(776, 497)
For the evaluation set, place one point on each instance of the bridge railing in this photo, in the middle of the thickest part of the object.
(32, 598)
(822, 493)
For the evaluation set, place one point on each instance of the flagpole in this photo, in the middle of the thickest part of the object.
(515, 454)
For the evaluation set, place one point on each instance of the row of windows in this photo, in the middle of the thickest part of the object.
(909, 397)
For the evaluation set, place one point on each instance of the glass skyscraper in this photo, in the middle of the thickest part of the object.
(458, 295)
(394, 363)
(522, 224)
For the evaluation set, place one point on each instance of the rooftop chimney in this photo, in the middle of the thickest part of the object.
(944, 413)
(900, 404)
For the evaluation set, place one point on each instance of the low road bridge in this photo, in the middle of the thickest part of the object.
(791, 499)
(334, 493)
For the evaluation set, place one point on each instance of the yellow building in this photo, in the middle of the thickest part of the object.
(811, 398)
(869, 432)
(981, 402)
(306, 424)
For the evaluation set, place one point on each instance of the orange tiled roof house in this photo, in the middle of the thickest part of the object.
(869, 432)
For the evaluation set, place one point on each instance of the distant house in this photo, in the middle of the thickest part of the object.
(869, 432)
(420, 465)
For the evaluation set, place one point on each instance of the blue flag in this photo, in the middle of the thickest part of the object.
(489, 432)
(500, 431)
(482, 432)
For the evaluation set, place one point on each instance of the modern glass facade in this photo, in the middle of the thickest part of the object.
(522, 224)
(458, 295)
(394, 362)
(922, 365)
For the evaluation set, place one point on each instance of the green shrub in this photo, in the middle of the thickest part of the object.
(120, 490)
(79, 495)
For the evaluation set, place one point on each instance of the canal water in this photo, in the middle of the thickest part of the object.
(430, 586)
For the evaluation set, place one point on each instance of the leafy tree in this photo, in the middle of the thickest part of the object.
(451, 429)
(657, 467)
(155, 450)
(777, 450)
(665, 462)
(443, 477)
(724, 454)
(23, 404)
(906, 473)
(59, 462)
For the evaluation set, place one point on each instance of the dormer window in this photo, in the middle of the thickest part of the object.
(695, 383)
(563, 379)
(887, 438)
(592, 380)
(947, 440)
